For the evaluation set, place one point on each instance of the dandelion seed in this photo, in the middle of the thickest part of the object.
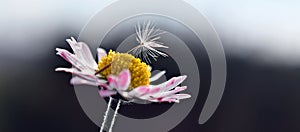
(147, 36)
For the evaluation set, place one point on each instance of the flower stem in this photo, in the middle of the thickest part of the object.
(114, 117)
(106, 113)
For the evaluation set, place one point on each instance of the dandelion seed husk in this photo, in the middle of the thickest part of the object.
(140, 74)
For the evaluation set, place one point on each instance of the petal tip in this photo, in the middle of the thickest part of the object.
(183, 77)
(188, 96)
(58, 69)
(58, 49)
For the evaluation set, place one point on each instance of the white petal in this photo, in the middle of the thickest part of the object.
(81, 74)
(101, 53)
(169, 93)
(157, 76)
(149, 68)
(81, 81)
(125, 94)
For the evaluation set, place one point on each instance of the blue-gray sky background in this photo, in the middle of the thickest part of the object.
(265, 30)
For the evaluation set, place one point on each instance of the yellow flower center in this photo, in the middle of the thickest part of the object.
(139, 71)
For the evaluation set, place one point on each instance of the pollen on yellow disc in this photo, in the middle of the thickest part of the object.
(140, 74)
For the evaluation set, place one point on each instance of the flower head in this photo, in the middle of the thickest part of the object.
(119, 73)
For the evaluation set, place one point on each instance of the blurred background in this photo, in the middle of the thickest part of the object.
(260, 38)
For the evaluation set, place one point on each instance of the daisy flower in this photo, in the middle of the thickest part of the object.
(119, 73)
(126, 75)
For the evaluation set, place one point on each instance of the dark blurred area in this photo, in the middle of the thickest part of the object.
(261, 95)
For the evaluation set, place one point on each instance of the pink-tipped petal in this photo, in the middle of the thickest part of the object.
(107, 93)
(111, 79)
(73, 43)
(154, 90)
(123, 80)
(139, 91)
(70, 58)
(181, 96)
(101, 53)
(87, 55)
(82, 53)
(173, 82)
(169, 93)
(175, 98)
(104, 86)
(170, 100)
